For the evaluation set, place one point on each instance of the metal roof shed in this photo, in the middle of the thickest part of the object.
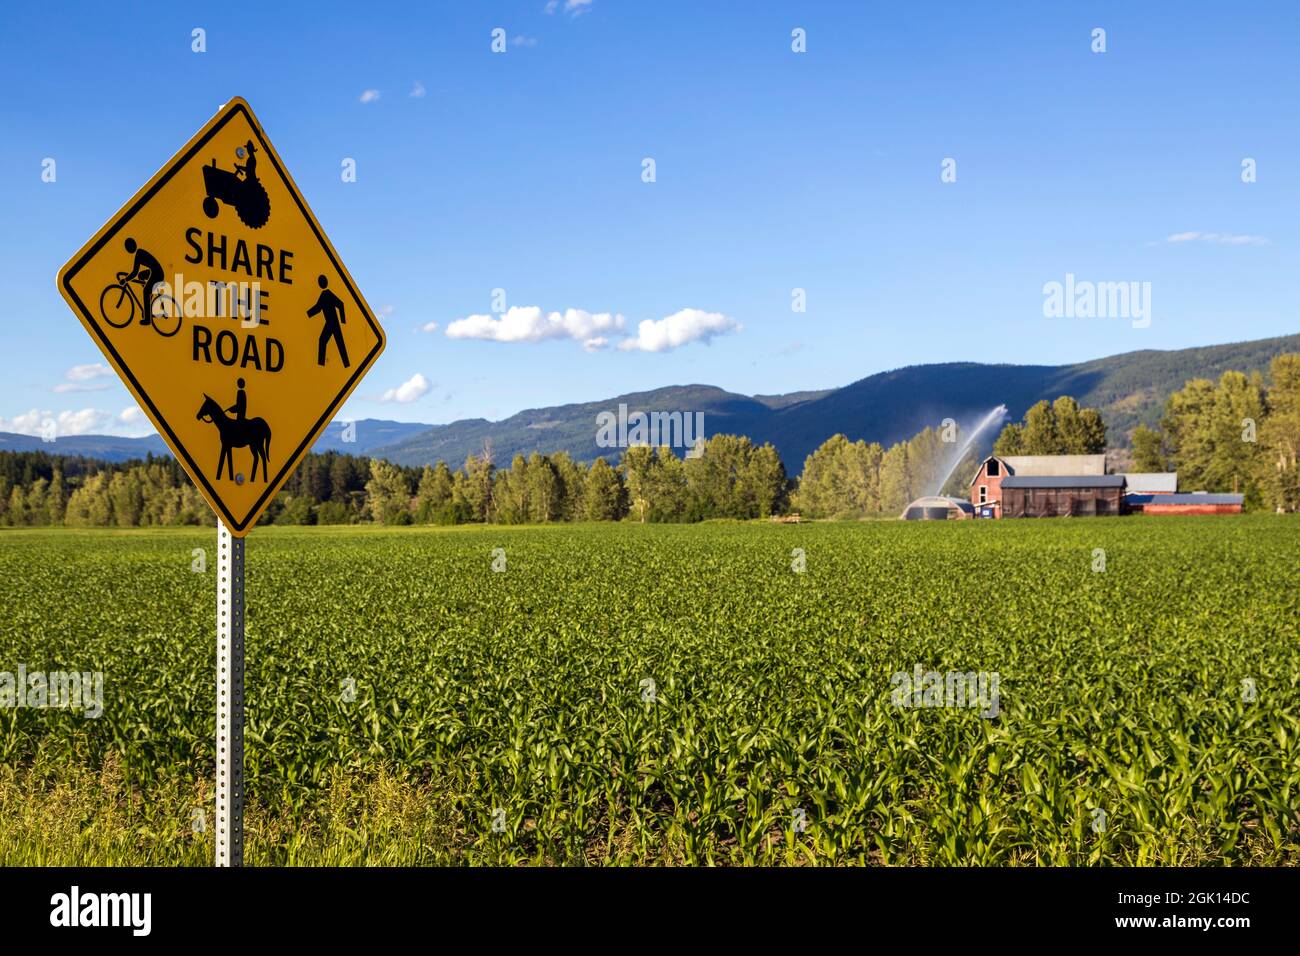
(1063, 481)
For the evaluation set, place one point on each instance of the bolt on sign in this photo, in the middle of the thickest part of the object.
(221, 304)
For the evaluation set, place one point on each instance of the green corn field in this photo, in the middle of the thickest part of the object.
(651, 694)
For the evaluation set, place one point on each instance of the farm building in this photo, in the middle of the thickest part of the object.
(986, 486)
(1032, 486)
(1151, 482)
(937, 508)
(1048, 496)
(1195, 503)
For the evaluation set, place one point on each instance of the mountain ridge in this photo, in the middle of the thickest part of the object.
(1129, 388)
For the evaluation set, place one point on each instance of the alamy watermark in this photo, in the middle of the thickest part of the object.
(922, 688)
(75, 908)
(75, 690)
(1082, 299)
(657, 429)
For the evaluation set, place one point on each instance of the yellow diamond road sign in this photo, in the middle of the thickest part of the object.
(227, 313)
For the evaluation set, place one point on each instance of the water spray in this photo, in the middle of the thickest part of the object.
(996, 416)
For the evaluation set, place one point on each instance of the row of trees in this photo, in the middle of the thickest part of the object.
(843, 479)
(733, 478)
(38, 489)
(1240, 434)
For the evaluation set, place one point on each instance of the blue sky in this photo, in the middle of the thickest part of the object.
(775, 170)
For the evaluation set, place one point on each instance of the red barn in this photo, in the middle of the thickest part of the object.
(986, 486)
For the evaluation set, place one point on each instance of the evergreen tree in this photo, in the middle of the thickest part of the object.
(711, 477)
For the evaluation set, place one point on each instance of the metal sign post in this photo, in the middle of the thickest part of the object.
(230, 698)
(176, 351)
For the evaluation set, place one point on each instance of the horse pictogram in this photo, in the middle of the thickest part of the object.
(238, 432)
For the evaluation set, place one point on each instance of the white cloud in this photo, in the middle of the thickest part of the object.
(84, 373)
(87, 421)
(369, 96)
(531, 324)
(680, 328)
(1219, 238)
(414, 387)
(417, 90)
(130, 423)
(572, 7)
(429, 327)
(384, 311)
(81, 378)
(592, 330)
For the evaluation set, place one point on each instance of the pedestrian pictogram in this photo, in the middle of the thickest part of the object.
(331, 306)
(218, 299)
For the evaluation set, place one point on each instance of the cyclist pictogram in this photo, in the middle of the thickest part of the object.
(119, 302)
